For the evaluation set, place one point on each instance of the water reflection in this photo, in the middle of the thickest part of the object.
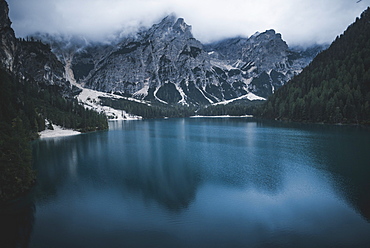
(203, 183)
(159, 164)
(342, 152)
(131, 163)
(16, 223)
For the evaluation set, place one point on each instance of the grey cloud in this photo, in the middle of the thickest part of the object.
(299, 21)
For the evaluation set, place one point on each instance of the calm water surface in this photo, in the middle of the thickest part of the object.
(198, 183)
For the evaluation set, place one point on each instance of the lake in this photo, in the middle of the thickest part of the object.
(198, 182)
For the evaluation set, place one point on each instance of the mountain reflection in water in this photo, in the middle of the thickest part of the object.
(204, 183)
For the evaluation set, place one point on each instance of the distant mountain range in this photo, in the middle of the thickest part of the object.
(166, 64)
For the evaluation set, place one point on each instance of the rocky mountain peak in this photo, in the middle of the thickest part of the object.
(8, 43)
(272, 36)
(4, 15)
(269, 33)
(165, 63)
(181, 27)
(28, 59)
(265, 58)
(170, 27)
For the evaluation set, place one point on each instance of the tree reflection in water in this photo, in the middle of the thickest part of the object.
(16, 223)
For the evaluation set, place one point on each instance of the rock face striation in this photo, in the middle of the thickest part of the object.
(29, 59)
(264, 59)
(8, 42)
(165, 63)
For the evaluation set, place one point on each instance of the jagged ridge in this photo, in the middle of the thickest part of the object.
(167, 64)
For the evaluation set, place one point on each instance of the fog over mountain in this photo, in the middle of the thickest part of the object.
(301, 22)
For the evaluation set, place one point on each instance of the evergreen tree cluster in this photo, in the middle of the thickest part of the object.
(24, 107)
(16, 175)
(335, 87)
(237, 108)
(159, 110)
(68, 113)
(149, 111)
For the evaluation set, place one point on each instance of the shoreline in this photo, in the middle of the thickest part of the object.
(63, 132)
(221, 116)
(57, 132)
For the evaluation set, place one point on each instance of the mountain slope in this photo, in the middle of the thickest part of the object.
(335, 87)
(264, 59)
(166, 64)
(29, 58)
(33, 90)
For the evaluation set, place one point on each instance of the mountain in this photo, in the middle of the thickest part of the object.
(29, 58)
(33, 68)
(34, 91)
(335, 87)
(264, 59)
(7, 38)
(166, 64)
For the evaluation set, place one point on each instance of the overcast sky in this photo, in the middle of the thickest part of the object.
(300, 22)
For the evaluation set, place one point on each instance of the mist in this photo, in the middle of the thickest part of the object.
(301, 22)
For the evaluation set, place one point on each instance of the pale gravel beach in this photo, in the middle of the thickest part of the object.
(57, 132)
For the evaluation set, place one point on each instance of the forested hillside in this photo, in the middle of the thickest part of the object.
(33, 90)
(335, 87)
(24, 106)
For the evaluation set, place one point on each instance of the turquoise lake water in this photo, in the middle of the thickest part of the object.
(207, 182)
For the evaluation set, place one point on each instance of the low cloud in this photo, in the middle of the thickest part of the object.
(301, 22)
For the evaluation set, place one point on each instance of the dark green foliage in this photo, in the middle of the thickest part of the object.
(148, 112)
(236, 108)
(67, 112)
(16, 175)
(24, 106)
(335, 87)
(40, 102)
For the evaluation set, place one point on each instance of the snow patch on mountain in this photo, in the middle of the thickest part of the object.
(250, 96)
(143, 92)
(90, 99)
(140, 66)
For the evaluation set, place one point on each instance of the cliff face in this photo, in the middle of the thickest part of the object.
(265, 59)
(167, 64)
(8, 42)
(28, 59)
(164, 63)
